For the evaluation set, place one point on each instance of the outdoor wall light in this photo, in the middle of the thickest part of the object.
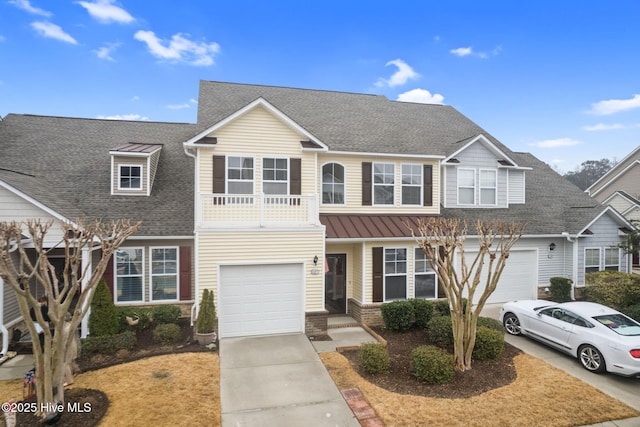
(552, 246)
(315, 260)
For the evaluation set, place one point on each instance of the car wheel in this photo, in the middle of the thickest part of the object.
(591, 359)
(512, 324)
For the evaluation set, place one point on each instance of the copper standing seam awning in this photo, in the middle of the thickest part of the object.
(369, 226)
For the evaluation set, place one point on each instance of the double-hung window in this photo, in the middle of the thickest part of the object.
(129, 274)
(239, 175)
(130, 177)
(591, 260)
(383, 183)
(395, 274)
(164, 274)
(612, 259)
(275, 175)
(488, 186)
(333, 184)
(425, 279)
(466, 186)
(411, 184)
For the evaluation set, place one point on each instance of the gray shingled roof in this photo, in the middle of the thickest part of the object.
(64, 163)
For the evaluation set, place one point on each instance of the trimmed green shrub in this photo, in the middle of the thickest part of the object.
(489, 344)
(432, 365)
(206, 321)
(440, 332)
(633, 311)
(108, 344)
(442, 307)
(423, 312)
(374, 358)
(397, 315)
(166, 333)
(166, 314)
(560, 289)
(143, 315)
(491, 323)
(103, 320)
(613, 289)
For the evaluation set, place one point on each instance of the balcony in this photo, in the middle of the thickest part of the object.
(256, 210)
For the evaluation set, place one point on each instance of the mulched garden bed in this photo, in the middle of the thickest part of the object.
(482, 377)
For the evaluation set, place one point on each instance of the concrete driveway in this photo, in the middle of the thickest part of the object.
(278, 380)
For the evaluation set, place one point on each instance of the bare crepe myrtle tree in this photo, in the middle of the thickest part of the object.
(443, 242)
(24, 264)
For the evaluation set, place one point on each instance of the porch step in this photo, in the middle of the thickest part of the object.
(341, 322)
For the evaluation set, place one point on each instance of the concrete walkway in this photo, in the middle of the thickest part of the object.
(278, 380)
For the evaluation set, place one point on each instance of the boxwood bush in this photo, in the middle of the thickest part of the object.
(491, 323)
(166, 333)
(489, 344)
(374, 358)
(423, 312)
(165, 314)
(560, 289)
(440, 332)
(397, 315)
(613, 289)
(432, 365)
(633, 311)
(109, 344)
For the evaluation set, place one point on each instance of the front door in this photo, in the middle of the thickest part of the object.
(335, 284)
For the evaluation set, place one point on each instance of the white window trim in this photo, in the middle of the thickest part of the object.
(495, 189)
(416, 273)
(385, 275)
(584, 259)
(151, 275)
(344, 184)
(458, 186)
(115, 276)
(226, 171)
(604, 259)
(373, 184)
(420, 185)
(133, 165)
(263, 181)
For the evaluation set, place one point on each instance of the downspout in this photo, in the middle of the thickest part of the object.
(574, 267)
(189, 152)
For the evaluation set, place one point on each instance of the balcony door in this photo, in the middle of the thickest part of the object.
(335, 284)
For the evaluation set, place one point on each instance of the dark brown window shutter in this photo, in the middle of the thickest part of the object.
(108, 275)
(219, 175)
(427, 186)
(366, 184)
(378, 274)
(185, 273)
(295, 182)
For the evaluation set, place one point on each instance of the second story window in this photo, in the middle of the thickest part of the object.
(333, 184)
(488, 187)
(466, 186)
(275, 175)
(130, 177)
(411, 184)
(383, 183)
(240, 175)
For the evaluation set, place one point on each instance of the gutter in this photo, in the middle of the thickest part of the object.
(574, 267)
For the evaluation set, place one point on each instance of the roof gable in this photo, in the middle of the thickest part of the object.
(630, 162)
(502, 158)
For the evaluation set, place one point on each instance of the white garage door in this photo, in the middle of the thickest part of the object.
(260, 299)
(518, 280)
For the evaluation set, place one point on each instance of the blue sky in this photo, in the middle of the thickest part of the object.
(556, 78)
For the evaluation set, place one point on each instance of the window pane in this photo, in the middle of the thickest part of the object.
(487, 196)
(274, 188)
(466, 178)
(395, 287)
(487, 178)
(425, 285)
(465, 196)
(411, 195)
(164, 288)
(383, 195)
(129, 289)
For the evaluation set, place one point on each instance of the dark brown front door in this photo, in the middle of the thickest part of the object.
(335, 284)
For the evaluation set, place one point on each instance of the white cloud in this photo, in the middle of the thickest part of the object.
(422, 96)
(553, 143)
(400, 77)
(135, 98)
(462, 51)
(183, 105)
(130, 117)
(26, 6)
(612, 106)
(105, 51)
(105, 11)
(602, 126)
(52, 31)
(179, 48)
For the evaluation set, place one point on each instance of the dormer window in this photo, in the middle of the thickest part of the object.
(130, 177)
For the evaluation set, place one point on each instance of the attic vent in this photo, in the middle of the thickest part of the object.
(207, 140)
(454, 160)
(504, 162)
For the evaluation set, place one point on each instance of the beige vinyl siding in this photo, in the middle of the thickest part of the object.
(353, 184)
(619, 203)
(15, 208)
(259, 134)
(245, 247)
(129, 161)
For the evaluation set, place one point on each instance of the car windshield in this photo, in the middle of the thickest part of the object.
(620, 324)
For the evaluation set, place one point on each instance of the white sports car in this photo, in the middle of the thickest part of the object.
(601, 338)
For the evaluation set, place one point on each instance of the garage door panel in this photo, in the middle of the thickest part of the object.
(261, 299)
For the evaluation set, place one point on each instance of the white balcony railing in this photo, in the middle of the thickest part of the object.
(257, 210)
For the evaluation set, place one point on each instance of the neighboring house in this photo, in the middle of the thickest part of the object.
(620, 188)
(292, 204)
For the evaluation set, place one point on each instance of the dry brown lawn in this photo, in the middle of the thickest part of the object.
(176, 389)
(541, 395)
